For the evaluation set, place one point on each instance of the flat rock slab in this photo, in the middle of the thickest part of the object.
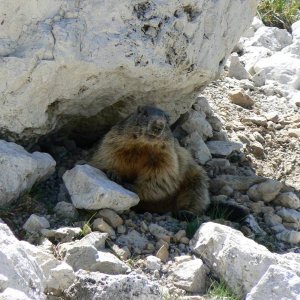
(20, 170)
(94, 285)
(89, 188)
(223, 148)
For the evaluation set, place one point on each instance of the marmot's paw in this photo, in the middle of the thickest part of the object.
(114, 177)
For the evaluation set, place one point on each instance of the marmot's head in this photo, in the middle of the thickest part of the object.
(147, 123)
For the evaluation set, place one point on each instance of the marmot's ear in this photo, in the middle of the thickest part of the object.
(140, 109)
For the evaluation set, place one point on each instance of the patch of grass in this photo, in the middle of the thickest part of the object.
(219, 211)
(220, 291)
(192, 227)
(279, 13)
(86, 228)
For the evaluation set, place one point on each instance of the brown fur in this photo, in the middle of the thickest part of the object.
(158, 169)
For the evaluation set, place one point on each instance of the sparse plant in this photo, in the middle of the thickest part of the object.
(279, 13)
(86, 228)
(220, 291)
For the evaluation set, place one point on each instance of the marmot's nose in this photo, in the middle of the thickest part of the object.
(158, 125)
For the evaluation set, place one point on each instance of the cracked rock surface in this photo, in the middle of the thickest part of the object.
(62, 60)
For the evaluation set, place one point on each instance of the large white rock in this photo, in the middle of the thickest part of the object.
(19, 267)
(237, 260)
(74, 58)
(20, 170)
(277, 283)
(282, 67)
(95, 285)
(272, 38)
(89, 188)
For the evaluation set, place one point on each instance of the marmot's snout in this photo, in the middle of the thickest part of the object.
(156, 127)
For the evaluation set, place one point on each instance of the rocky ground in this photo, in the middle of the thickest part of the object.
(244, 129)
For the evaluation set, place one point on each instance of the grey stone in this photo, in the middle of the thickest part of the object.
(3, 283)
(236, 69)
(196, 146)
(196, 122)
(100, 225)
(223, 148)
(266, 191)
(63, 234)
(289, 215)
(288, 199)
(66, 210)
(133, 239)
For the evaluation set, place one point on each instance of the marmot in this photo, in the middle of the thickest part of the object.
(142, 154)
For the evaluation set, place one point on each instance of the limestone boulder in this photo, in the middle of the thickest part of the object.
(64, 61)
(276, 284)
(237, 260)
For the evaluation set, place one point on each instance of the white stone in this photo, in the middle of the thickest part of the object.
(95, 54)
(196, 146)
(111, 217)
(60, 278)
(20, 170)
(14, 294)
(153, 263)
(288, 199)
(236, 69)
(277, 283)
(252, 55)
(237, 260)
(95, 285)
(191, 276)
(36, 224)
(109, 264)
(223, 148)
(281, 67)
(272, 38)
(89, 188)
(3, 282)
(196, 122)
(296, 30)
(52, 269)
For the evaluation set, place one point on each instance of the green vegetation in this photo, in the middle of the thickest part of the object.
(219, 291)
(279, 13)
(86, 228)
